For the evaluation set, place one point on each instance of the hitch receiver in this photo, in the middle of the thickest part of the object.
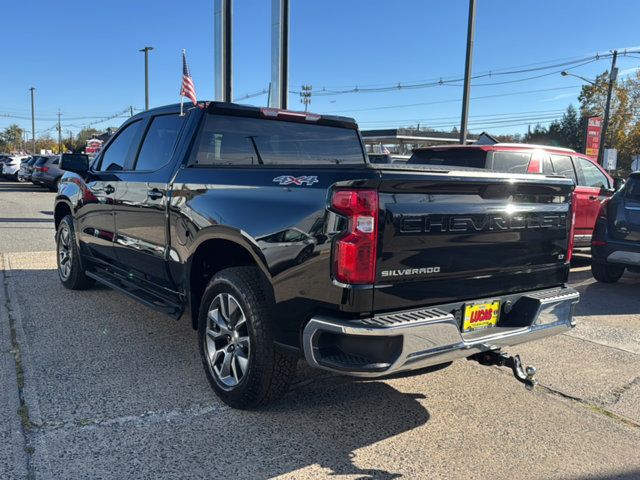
(501, 359)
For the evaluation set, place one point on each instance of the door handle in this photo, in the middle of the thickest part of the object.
(155, 194)
(593, 197)
(109, 189)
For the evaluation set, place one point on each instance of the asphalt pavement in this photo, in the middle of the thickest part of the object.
(95, 385)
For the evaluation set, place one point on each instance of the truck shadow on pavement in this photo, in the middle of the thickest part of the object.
(99, 364)
(333, 417)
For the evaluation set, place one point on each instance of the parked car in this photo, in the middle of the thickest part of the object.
(11, 165)
(26, 169)
(593, 183)
(391, 267)
(47, 172)
(616, 239)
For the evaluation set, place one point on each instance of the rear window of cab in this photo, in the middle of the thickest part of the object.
(235, 140)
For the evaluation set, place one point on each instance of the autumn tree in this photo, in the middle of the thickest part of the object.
(622, 131)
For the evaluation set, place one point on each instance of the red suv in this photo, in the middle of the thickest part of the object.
(593, 184)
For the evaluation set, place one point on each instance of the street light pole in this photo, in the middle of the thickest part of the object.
(605, 122)
(33, 123)
(146, 51)
(467, 72)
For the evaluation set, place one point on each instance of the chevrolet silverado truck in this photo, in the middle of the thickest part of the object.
(271, 232)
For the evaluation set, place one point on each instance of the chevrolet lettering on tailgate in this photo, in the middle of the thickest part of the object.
(478, 223)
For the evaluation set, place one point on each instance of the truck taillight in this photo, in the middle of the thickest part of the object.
(572, 228)
(354, 253)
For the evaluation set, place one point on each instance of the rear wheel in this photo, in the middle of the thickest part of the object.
(606, 273)
(69, 268)
(236, 344)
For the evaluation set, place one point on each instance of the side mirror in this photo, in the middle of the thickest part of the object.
(618, 183)
(75, 162)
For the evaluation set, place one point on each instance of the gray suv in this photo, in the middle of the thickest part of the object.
(47, 173)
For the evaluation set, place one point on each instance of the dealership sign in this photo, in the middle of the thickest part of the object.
(594, 130)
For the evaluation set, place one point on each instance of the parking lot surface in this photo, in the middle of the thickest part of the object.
(94, 385)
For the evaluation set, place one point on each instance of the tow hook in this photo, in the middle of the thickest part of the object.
(524, 375)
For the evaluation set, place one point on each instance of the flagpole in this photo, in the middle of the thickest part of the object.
(184, 52)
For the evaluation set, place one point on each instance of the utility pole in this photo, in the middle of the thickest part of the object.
(467, 72)
(223, 49)
(59, 135)
(131, 110)
(305, 96)
(33, 123)
(146, 51)
(605, 122)
(279, 91)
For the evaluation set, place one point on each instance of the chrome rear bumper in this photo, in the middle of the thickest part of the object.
(394, 342)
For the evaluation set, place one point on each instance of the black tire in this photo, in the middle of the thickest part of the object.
(54, 186)
(74, 278)
(606, 273)
(269, 372)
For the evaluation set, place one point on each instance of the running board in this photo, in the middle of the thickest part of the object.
(136, 291)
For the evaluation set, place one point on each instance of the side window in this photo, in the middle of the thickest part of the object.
(563, 165)
(513, 162)
(632, 189)
(122, 149)
(158, 144)
(592, 175)
(56, 161)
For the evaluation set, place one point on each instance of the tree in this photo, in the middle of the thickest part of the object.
(622, 132)
(570, 130)
(12, 138)
(80, 142)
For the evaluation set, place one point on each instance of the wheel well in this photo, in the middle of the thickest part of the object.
(61, 211)
(211, 257)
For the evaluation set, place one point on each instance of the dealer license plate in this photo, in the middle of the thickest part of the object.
(481, 315)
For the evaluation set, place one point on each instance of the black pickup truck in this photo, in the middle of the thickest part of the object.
(274, 235)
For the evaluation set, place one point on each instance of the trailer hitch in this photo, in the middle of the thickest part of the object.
(501, 359)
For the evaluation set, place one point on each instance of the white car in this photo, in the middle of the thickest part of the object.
(11, 166)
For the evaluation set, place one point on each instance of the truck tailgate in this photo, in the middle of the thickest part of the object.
(450, 236)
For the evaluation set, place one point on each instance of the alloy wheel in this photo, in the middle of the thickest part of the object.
(64, 253)
(227, 343)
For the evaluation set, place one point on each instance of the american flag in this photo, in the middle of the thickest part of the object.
(188, 89)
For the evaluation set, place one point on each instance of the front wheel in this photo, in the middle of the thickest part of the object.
(236, 343)
(70, 270)
(606, 273)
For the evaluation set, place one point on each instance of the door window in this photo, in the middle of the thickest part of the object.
(632, 189)
(592, 176)
(159, 142)
(122, 149)
(563, 165)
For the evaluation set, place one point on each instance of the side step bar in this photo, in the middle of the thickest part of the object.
(133, 289)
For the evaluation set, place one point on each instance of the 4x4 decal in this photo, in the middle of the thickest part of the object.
(291, 180)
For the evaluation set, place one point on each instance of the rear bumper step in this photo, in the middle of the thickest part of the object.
(399, 341)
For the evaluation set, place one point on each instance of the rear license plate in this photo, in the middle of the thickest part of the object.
(481, 315)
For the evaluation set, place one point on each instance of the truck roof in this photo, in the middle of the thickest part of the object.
(230, 108)
(500, 146)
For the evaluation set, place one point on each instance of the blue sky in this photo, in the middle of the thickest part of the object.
(83, 57)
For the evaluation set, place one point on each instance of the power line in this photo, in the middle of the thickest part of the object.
(453, 100)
